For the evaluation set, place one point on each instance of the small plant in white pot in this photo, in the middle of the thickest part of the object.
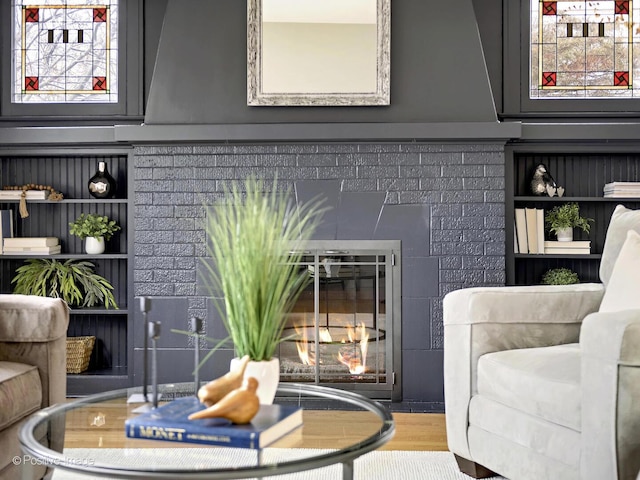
(95, 229)
(561, 221)
(250, 235)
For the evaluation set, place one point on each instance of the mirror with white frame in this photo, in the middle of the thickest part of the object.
(318, 52)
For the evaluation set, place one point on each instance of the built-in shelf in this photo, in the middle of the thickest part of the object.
(583, 174)
(110, 362)
(71, 200)
(78, 256)
(546, 256)
(100, 311)
(533, 199)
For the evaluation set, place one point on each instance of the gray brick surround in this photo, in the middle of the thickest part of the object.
(445, 202)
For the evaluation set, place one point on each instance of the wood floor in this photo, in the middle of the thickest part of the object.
(101, 425)
(419, 431)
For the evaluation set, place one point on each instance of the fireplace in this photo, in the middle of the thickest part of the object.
(344, 329)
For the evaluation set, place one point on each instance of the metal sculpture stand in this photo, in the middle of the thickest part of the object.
(196, 326)
(154, 334)
(145, 307)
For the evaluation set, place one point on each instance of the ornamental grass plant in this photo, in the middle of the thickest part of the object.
(255, 241)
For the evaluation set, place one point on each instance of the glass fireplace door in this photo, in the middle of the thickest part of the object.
(342, 328)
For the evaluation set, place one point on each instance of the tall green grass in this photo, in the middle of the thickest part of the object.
(255, 241)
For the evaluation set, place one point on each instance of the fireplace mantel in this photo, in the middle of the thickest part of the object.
(460, 132)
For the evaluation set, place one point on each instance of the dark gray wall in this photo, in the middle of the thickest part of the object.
(438, 73)
(446, 203)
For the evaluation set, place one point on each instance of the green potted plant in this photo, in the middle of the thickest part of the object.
(254, 247)
(560, 276)
(75, 281)
(562, 219)
(95, 228)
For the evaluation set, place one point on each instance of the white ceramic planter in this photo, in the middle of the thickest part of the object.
(565, 234)
(268, 375)
(94, 245)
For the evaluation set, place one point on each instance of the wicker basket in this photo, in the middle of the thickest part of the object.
(78, 353)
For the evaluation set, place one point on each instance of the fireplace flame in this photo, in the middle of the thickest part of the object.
(306, 357)
(324, 335)
(356, 361)
(353, 354)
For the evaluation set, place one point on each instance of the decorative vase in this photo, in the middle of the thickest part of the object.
(102, 184)
(268, 375)
(94, 245)
(565, 234)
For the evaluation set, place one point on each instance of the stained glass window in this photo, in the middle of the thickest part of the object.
(65, 51)
(584, 49)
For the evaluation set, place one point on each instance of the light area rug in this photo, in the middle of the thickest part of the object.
(376, 465)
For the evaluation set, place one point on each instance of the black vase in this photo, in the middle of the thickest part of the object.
(102, 185)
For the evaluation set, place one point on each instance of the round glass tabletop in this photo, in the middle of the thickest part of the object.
(87, 436)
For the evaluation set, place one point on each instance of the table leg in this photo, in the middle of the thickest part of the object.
(347, 470)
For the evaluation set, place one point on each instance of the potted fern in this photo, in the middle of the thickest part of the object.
(75, 281)
(251, 261)
(95, 228)
(562, 219)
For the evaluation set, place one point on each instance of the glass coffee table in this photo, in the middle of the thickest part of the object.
(87, 436)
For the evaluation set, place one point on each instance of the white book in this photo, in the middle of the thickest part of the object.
(622, 189)
(32, 250)
(622, 195)
(532, 229)
(622, 184)
(6, 226)
(17, 194)
(540, 228)
(31, 241)
(566, 251)
(521, 229)
(572, 244)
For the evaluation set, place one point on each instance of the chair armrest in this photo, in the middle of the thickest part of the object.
(531, 304)
(33, 331)
(29, 318)
(610, 353)
(491, 319)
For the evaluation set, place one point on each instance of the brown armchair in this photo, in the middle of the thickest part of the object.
(33, 370)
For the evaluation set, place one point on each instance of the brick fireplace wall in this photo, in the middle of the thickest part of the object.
(444, 201)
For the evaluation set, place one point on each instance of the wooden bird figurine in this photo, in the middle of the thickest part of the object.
(217, 389)
(542, 182)
(238, 406)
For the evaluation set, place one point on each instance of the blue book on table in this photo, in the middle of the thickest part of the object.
(169, 422)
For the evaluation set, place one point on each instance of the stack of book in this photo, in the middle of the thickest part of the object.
(31, 246)
(529, 230)
(17, 194)
(576, 247)
(622, 189)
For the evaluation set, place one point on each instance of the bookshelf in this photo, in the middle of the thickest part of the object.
(583, 173)
(69, 173)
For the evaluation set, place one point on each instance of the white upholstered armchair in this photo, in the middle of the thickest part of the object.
(543, 382)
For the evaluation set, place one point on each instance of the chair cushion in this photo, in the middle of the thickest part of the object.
(20, 392)
(624, 283)
(543, 382)
(622, 220)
